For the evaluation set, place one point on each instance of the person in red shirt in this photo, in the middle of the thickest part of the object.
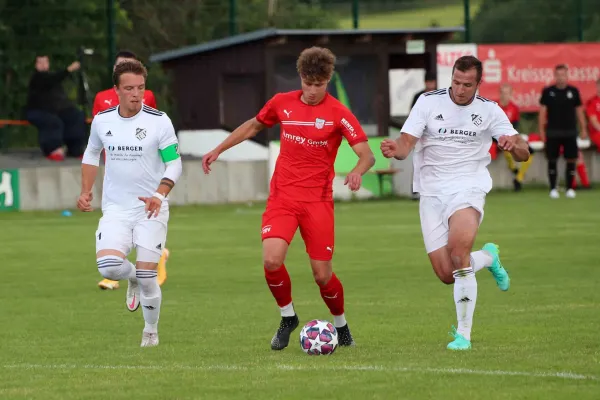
(108, 98)
(592, 110)
(103, 101)
(512, 112)
(312, 124)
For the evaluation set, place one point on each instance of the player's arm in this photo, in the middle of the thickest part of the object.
(350, 128)
(543, 115)
(89, 169)
(593, 118)
(508, 138)
(412, 130)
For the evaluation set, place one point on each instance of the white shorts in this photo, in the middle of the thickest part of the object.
(124, 230)
(435, 212)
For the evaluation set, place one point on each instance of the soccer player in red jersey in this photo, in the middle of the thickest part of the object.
(103, 101)
(313, 124)
(512, 112)
(592, 109)
(108, 98)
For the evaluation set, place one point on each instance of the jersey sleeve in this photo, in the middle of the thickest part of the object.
(500, 124)
(94, 147)
(544, 97)
(151, 100)
(417, 119)
(268, 114)
(96, 108)
(350, 128)
(168, 144)
(577, 98)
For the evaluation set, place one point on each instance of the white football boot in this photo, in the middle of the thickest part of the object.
(149, 339)
(133, 295)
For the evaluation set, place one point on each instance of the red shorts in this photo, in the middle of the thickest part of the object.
(282, 218)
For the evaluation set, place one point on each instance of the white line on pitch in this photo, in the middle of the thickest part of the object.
(380, 368)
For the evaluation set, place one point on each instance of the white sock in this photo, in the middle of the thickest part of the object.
(339, 320)
(150, 298)
(481, 259)
(465, 297)
(288, 311)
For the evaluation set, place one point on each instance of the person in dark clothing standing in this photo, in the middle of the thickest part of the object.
(430, 84)
(560, 112)
(57, 119)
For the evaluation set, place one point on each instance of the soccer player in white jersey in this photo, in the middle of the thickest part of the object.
(142, 166)
(451, 131)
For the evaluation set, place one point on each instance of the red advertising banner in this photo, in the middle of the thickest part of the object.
(528, 68)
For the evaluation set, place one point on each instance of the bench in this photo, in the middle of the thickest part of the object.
(381, 174)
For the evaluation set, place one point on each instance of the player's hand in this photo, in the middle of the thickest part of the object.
(208, 159)
(583, 134)
(389, 147)
(543, 136)
(74, 66)
(508, 142)
(353, 180)
(84, 203)
(153, 205)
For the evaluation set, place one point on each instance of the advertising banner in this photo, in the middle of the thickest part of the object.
(9, 189)
(528, 68)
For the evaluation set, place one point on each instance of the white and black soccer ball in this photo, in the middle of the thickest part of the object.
(318, 337)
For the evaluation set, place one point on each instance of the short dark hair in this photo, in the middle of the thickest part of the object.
(126, 54)
(465, 63)
(316, 64)
(132, 67)
(561, 66)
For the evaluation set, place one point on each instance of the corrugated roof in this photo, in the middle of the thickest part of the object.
(271, 32)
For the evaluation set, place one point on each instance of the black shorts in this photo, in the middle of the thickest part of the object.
(569, 145)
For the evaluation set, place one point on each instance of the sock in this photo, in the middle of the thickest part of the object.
(150, 298)
(523, 169)
(339, 321)
(333, 295)
(510, 161)
(288, 311)
(280, 285)
(115, 268)
(583, 176)
(570, 175)
(465, 297)
(480, 259)
(552, 174)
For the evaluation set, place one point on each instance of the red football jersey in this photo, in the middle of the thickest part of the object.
(310, 138)
(593, 108)
(511, 110)
(108, 98)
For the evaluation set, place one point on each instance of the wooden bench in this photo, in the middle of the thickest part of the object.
(381, 174)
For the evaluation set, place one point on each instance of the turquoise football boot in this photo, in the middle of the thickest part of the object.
(460, 342)
(497, 270)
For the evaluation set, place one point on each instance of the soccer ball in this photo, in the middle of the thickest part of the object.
(318, 337)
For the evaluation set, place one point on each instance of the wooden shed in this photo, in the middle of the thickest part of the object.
(222, 83)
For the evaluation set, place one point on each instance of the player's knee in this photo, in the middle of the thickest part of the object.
(458, 256)
(110, 267)
(272, 261)
(322, 278)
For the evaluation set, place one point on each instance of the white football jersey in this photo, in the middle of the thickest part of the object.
(452, 153)
(133, 165)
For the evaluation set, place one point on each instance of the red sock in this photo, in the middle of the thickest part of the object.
(583, 176)
(280, 285)
(333, 295)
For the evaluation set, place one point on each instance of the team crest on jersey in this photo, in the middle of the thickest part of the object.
(476, 118)
(319, 123)
(140, 133)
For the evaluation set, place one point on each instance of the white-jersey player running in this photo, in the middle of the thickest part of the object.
(142, 166)
(451, 131)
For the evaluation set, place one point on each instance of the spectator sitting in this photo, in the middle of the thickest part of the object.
(57, 119)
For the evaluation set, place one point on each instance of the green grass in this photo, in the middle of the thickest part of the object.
(447, 15)
(62, 338)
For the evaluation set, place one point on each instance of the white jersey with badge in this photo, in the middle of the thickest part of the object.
(452, 153)
(134, 166)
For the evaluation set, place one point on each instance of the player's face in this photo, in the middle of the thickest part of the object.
(131, 91)
(42, 64)
(313, 91)
(561, 77)
(464, 86)
(505, 94)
